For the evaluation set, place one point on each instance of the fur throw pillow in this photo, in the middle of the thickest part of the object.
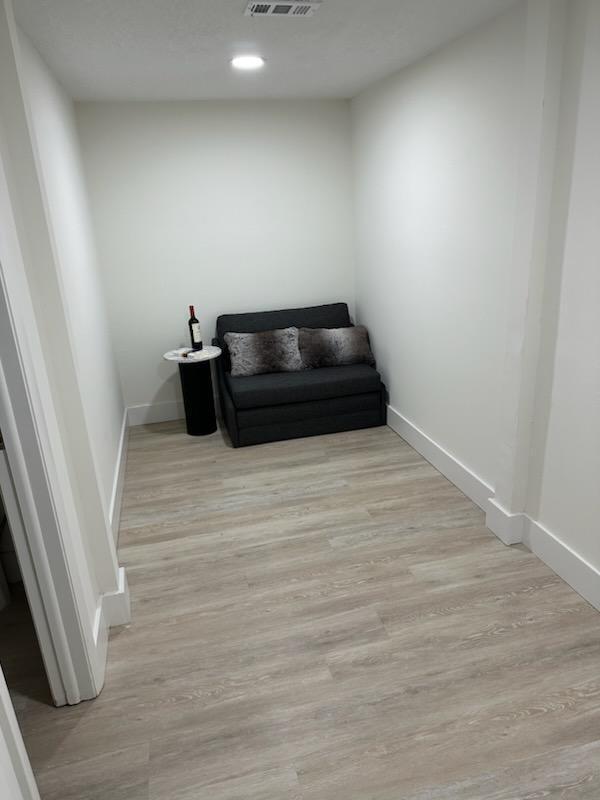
(266, 351)
(334, 347)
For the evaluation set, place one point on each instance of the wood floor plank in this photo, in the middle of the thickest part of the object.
(570, 773)
(320, 619)
(120, 775)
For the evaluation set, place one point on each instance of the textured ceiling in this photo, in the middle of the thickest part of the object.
(180, 49)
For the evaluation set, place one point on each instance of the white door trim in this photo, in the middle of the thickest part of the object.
(32, 537)
(46, 550)
(32, 588)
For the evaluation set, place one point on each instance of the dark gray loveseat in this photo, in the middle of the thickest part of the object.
(288, 405)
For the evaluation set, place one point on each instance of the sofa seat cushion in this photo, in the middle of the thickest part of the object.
(258, 391)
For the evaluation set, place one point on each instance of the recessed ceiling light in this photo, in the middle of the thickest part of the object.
(247, 62)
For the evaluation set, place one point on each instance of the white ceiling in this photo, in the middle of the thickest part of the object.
(180, 49)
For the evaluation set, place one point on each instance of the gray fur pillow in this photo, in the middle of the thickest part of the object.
(266, 351)
(334, 347)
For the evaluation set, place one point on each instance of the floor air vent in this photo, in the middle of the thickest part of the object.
(303, 8)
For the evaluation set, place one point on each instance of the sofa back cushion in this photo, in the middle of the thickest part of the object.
(264, 351)
(334, 347)
(333, 315)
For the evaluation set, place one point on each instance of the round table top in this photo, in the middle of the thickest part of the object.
(194, 356)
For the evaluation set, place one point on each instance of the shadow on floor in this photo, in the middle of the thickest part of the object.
(20, 654)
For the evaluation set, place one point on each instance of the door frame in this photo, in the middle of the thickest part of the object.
(46, 542)
(25, 559)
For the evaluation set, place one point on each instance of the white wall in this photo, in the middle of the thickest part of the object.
(478, 200)
(564, 497)
(436, 151)
(53, 121)
(231, 206)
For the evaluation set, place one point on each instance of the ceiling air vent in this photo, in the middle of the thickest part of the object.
(301, 8)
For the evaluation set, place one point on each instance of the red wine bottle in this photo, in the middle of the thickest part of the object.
(194, 327)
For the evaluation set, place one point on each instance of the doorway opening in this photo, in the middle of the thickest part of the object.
(20, 653)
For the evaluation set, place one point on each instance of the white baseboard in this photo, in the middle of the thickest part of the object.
(155, 412)
(509, 528)
(548, 547)
(116, 499)
(98, 661)
(571, 567)
(456, 472)
(116, 607)
(113, 609)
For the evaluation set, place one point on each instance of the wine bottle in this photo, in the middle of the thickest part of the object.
(194, 327)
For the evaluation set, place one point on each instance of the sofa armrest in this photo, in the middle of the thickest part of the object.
(220, 368)
(228, 411)
(219, 361)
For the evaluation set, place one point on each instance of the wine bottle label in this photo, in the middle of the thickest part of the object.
(196, 335)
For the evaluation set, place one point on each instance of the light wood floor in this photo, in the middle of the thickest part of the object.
(325, 619)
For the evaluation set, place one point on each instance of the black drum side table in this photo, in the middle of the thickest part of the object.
(197, 388)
